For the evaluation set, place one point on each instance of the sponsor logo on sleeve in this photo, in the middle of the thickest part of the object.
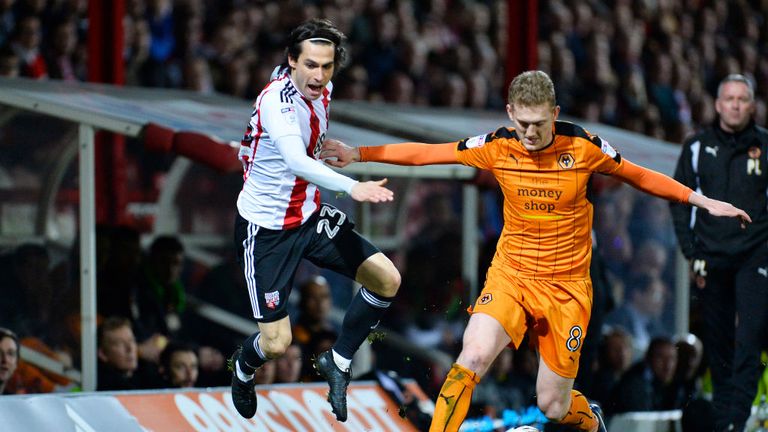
(608, 149)
(475, 142)
(289, 114)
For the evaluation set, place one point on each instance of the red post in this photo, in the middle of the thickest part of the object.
(522, 37)
(105, 65)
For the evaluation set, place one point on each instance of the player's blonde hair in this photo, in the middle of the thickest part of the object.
(531, 88)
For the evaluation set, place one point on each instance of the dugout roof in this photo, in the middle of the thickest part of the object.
(191, 123)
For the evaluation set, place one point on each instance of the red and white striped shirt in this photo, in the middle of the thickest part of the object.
(277, 194)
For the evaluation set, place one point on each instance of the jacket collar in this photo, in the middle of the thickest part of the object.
(745, 136)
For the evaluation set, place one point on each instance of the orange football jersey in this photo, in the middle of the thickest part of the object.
(547, 207)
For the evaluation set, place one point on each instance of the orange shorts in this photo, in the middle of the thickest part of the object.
(555, 313)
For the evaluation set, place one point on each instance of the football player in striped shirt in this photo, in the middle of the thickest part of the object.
(281, 219)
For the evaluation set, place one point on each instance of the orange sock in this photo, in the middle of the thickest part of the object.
(453, 402)
(580, 415)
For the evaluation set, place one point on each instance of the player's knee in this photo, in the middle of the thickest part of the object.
(388, 283)
(552, 405)
(274, 347)
(392, 283)
(476, 360)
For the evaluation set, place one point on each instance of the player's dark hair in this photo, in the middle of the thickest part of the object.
(5, 333)
(317, 29)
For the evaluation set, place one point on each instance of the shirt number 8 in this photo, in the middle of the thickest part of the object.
(574, 342)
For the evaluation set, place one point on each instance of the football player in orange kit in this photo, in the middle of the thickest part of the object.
(539, 279)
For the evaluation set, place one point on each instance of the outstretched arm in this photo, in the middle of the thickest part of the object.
(719, 208)
(658, 184)
(293, 152)
(398, 154)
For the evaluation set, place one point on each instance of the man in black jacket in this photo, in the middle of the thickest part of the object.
(729, 262)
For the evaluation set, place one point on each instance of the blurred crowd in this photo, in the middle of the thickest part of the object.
(438, 52)
(652, 66)
(647, 66)
(643, 65)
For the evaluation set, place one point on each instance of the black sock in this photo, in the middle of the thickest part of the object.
(251, 357)
(362, 316)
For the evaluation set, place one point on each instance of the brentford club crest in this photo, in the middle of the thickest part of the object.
(272, 299)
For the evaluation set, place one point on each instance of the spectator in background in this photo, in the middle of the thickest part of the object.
(690, 353)
(222, 286)
(602, 303)
(288, 367)
(61, 55)
(639, 315)
(265, 375)
(29, 297)
(118, 264)
(313, 329)
(524, 371)
(9, 62)
(661, 90)
(650, 259)
(612, 217)
(197, 75)
(319, 343)
(495, 394)
(314, 310)
(32, 379)
(651, 220)
(119, 366)
(160, 296)
(9, 357)
(649, 384)
(353, 83)
(729, 262)
(615, 358)
(136, 41)
(179, 366)
(159, 70)
(26, 43)
(380, 58)
(7, 20)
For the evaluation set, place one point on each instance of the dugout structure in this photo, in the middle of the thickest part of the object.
(40, 117)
